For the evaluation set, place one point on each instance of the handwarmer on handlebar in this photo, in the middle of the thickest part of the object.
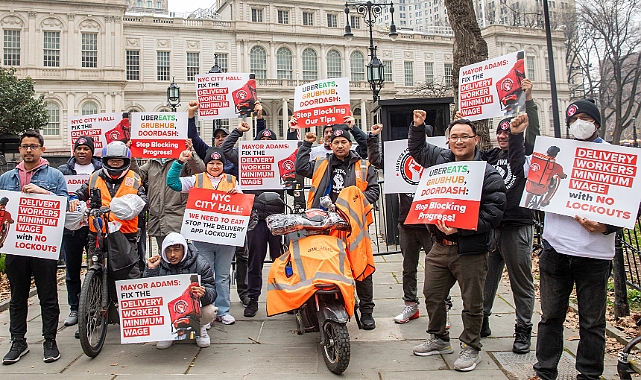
(127, 207)
(310, 220)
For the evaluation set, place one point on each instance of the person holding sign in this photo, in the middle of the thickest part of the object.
(19, 269)
(457, 255)
(219, 256)
(179, 257)
(577, 252)
(340, 169)
(322, 150)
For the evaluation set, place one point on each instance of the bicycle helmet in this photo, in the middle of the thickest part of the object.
(116, 149)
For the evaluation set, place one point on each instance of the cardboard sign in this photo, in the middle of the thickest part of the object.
(492, 88)
(267, 164)
(595, 181)
(102, 128)
(31, 224)
(75, 181)
(158, 308)
(223, 96)
(450, 192)
(402, 173)
(216, 217)
(321, 102)
(158, 135)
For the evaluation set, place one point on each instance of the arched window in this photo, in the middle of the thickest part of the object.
(334, 67)
(258, 62)
(89, 108)
(310, 64)
(357, 65)
(284, 63)
(53, 127)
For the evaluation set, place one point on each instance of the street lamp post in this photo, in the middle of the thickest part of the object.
(173, 95)
(215, 69)
(370, 11)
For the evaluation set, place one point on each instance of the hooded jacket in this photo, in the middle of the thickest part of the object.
(493, 201)
(192, 263)
(70, 167)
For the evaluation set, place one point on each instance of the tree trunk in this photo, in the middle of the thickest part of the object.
(469, 48)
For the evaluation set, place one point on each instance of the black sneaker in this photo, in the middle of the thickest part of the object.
(51, 351)
(19, 348)
(367, 321)
(244, 300)
(485, 328)
(252, 308)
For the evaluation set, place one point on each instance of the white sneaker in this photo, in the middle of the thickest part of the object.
(226, 319)
(203, 340)
(207, 326)
(164, 344)
(410, 311)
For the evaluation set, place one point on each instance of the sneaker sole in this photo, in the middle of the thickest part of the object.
(70, 324)
(51, 359)
(470, 368)
(226, 323)
(16, 360)
(401, 321)
(435, 352)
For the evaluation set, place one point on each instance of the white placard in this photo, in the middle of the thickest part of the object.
(102, 128)
(402, 173)
(266, 164)
(221, 96)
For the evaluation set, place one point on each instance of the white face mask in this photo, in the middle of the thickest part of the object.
(582, 129)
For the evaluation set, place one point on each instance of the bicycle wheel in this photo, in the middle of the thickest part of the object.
(336, 350)
(92, 320)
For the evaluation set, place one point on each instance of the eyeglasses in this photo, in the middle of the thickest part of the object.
(29, 147)
(463, 138)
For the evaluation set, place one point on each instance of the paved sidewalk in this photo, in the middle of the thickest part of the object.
(384, 353)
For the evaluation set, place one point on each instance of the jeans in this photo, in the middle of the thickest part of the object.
(19, 270)
(513, 248)
(257, 241)
(444, 267)
(411, 241)
(559, 274)
(73, 246)
(219, 257)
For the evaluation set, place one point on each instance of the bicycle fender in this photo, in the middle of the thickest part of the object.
(333, 312)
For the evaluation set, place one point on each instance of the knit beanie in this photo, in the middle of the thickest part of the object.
(504, 125)
(84, 140)
(340, 130)
(214, 153)
(266, 133)
(586, 106)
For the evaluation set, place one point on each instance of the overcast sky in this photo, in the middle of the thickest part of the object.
(189, 5)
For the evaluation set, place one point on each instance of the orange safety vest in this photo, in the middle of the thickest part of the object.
(129, 185)
(320, 167)
(226, 183)
(318, 259)
(352, 202)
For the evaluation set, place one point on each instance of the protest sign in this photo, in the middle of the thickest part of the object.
(102, 128)
(595, 181)
(158, 135)
(449, 192)
(31, 224)
(224, 95)
(321, 102)
(402, 173)
(216, 217)
(74, 181)
(158, 308)
(267, 164)
(492, 88)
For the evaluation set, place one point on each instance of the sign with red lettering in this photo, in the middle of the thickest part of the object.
(321, 102)
(158, 308)
(594, 181)
(102, 128)
(449, 192)
(158, 135)
(74, 181)
(31, 224)
(492, 88)
(267, 164)
(224, 95)
(405, 173)
(216, 217)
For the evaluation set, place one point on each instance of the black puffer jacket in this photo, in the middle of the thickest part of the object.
(192, 264)
(493, 201)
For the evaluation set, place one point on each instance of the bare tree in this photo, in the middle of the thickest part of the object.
(469, 48)
(433, 89)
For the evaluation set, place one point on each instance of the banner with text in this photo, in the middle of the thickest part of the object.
(158, 308)
(450, 192)
(224, 95)
(102, 128)
(594, 181)
(216, 217)
(31, 224)
(75, 181)
(321, 102)
(158, 135)
(267, 164)
(403, 173)
(492, 88)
